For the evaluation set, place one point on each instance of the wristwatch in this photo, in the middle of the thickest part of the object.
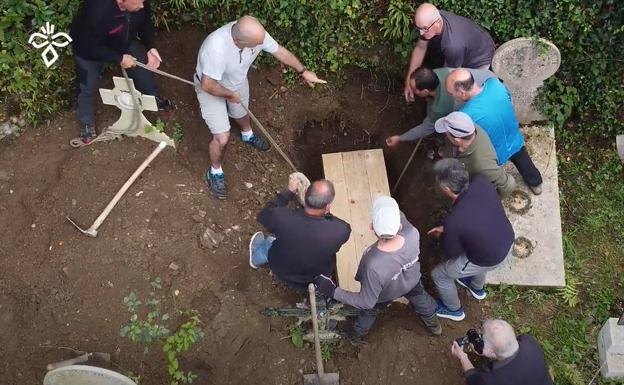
(304, 69)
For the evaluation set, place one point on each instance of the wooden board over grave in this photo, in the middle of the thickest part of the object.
(358, 177)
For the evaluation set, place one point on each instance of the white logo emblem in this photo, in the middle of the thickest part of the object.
(47, 37)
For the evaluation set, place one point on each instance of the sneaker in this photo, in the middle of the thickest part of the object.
(255, 241)
(165, 107)
(476, 293)
(433, 325)
(354, 338)
(257, 142)
(216, 182)
(445, 312)
(537, 190)
(87, 133)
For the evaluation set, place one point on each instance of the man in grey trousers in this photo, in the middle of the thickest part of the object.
(389, 269)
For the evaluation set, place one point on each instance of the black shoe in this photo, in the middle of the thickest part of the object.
(433, 325)
(257, 142)
(87, 133)
(165, 107)
(354, 338)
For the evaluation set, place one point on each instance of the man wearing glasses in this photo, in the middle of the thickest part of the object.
(462, 42)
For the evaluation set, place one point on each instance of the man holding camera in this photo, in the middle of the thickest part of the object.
(515, 360)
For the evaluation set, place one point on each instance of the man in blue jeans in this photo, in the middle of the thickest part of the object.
(304, 241)
(112, 31)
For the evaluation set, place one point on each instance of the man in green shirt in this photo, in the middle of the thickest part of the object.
(430, 85)
(471, 145)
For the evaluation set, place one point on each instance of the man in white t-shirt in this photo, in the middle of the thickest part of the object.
(221, 85)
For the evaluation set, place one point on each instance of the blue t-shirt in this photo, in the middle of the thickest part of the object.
(493, 111)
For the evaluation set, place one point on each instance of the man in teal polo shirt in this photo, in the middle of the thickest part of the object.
(489, 105)
(430, 85)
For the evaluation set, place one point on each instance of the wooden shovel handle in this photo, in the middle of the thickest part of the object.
(71, 361)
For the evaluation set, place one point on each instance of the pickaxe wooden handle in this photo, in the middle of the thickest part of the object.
(92, 231)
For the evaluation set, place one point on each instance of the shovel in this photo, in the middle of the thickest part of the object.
(320, 378)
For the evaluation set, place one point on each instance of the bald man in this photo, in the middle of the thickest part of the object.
(462, 42)
(489, 105)
(222, 87)
(515, 360)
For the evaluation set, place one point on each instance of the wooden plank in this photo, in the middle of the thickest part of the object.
(334, 172)
(377, 177)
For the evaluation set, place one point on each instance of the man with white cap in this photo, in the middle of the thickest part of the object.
(471, 145)
(389, 269)
(223, 90)
(476, 236)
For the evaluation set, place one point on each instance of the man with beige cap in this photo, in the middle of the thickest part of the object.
(221, 85)
(462, 42)
(470, 144)
(389, 269)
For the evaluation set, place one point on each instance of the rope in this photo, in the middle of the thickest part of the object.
(251, 115)
(406, 165)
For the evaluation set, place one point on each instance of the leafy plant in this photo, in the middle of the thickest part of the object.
(148, 325)
(569, 293)
(296, 335)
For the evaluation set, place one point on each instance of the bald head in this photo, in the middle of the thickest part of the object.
(499, 336)
(426, 14)
(248, 32)
(320, 194)
(460, 83)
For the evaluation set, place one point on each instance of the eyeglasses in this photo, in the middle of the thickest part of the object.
(426, 29)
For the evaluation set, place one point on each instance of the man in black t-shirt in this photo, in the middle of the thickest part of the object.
(304, 241)
(462, 42)
(515, 361)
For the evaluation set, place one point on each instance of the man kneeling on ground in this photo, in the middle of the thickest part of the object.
(389, 269)
(304, 241)
(515, 360)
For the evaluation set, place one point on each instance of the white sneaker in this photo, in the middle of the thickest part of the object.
(255, 241)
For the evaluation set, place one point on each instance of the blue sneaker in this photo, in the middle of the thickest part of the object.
(444, 312)
(254, 243)
(257, 142)
(477, 293)
(216, 182)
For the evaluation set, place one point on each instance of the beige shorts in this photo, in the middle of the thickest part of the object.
(215, 110)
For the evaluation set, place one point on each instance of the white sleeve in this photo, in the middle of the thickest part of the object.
(212, 64)
(269, 45)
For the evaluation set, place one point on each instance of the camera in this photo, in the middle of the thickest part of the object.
(474, 338)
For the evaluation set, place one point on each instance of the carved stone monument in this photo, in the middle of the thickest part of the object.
(85, 375)
(611, 349)
(523, 64)
(132, 122)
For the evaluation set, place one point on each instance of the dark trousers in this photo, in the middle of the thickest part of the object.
(88, 74)
(422, 303)
(526, 168)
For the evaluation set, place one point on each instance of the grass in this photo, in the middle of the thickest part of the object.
(567, 321)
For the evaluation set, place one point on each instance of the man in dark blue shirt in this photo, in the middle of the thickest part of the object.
(112, 31)
(476, 236)
(515, 361)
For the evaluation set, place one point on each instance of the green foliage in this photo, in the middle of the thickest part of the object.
(296, 335)
(569, 293)
(26, 84)
(148, 325)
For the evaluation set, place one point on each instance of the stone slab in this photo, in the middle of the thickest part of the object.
(611, 349)
(619, 143)
(85, 375)
(523, 64)
(538, 259)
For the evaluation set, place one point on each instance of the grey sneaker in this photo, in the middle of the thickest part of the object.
(433, 324)
(216, 182)
(257, 142)
(537, 190)
(255, 241)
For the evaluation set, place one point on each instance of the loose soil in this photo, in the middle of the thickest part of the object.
(60, 290)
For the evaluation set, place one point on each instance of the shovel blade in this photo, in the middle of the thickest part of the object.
(325, 379)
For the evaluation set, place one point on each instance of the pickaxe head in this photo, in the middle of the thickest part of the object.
(90, 231)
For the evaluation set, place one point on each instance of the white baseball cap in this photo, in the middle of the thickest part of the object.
(386, 217)
(457, 123)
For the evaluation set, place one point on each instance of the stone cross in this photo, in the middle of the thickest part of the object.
(523, 64)
(127, 124)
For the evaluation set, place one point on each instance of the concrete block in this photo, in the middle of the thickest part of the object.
(537, 258)
(611, 349)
